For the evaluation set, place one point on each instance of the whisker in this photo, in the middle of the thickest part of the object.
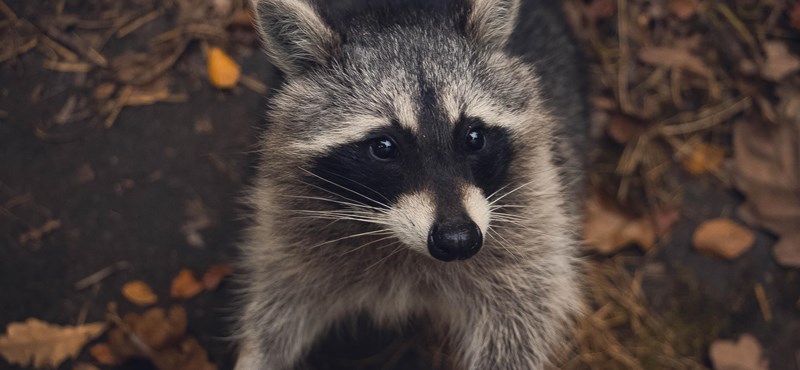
(345, 218)
(359, 184)
(398, 249)
(512, 254)
(511, 192)
(374, 232)
(344, 187)
(369, 243)
(350, 204)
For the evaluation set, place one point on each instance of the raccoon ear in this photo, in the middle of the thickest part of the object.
(491, 22)
(295, 36)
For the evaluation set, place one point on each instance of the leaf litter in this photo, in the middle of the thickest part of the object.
(40, 344)
(677, 99)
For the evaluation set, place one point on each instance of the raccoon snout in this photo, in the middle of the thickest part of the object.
(454, 241)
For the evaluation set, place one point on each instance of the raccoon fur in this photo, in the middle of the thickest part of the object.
(421, 158)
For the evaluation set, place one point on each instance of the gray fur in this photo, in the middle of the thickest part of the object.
(508, 307)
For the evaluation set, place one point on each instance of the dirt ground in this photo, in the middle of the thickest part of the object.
(151, 188)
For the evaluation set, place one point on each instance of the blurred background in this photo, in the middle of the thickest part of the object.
(125, 128)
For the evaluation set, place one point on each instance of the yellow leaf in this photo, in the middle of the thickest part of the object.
(223, 72)
(703, 158)
(139, 293)
(185, 285)
(723, 238)
(39, 344)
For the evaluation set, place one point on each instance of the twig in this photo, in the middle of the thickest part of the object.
(124, 95)
(137, 23)
(78, 67)
(253, 84)
(85, 308)
(20, 50)
(76, 45)
(708, 118)
(763, 303)
(135, 340)
(624, 55)
(101, 275)
(59, 49)
(8, 12)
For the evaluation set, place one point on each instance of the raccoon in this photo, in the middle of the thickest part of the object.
(421, 158)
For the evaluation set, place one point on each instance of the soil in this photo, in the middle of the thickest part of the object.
(121, 194)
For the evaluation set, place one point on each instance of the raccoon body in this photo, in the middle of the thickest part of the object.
(421, 159)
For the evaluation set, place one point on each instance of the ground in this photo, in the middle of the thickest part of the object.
(156, 190)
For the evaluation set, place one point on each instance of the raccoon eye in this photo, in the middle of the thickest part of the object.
(475, 139)
(383, 149)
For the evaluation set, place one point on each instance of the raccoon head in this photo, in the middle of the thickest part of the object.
(415, 124)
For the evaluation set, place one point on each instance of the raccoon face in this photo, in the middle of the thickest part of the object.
(409, 126)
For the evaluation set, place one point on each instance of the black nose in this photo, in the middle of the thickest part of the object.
(454, 241)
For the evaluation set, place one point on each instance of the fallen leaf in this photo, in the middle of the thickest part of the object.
(223, 72)
(203, 126)
(703, 158)
(601, 9)
(789, 105)
(104, 355)
(683, 9)
(794, 16)
(185, 285)
(85, 173)
(608, 230)
(139, 293)
(673, 57)
(215, 274)
(624, 129)
(787, 250)
(723, 238)
(663, 221)
(767, 171)
(36, 234)
(779, 62)
(84, 366)
(160, 338)
(743, 354)
(39, 344)
(104, 91)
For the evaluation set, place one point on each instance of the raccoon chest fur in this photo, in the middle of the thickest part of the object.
(420, 158)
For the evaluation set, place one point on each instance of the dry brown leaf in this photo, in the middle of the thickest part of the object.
(39, 344)
(223, 72)
(104, 91)
(673, 57)
(139, 293)
(703, 158)
(624, 129)
(683, 9)
(787, 250)
(767, 171)
(36, 234)
(85, 173)
(601, 9)
(185, 285)
(608, 230)
(104, 355)
(215, 274)
(84, 366)
(160, 338)
(794, 16)
(779, 62)
(743, 354)
(722, 237)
